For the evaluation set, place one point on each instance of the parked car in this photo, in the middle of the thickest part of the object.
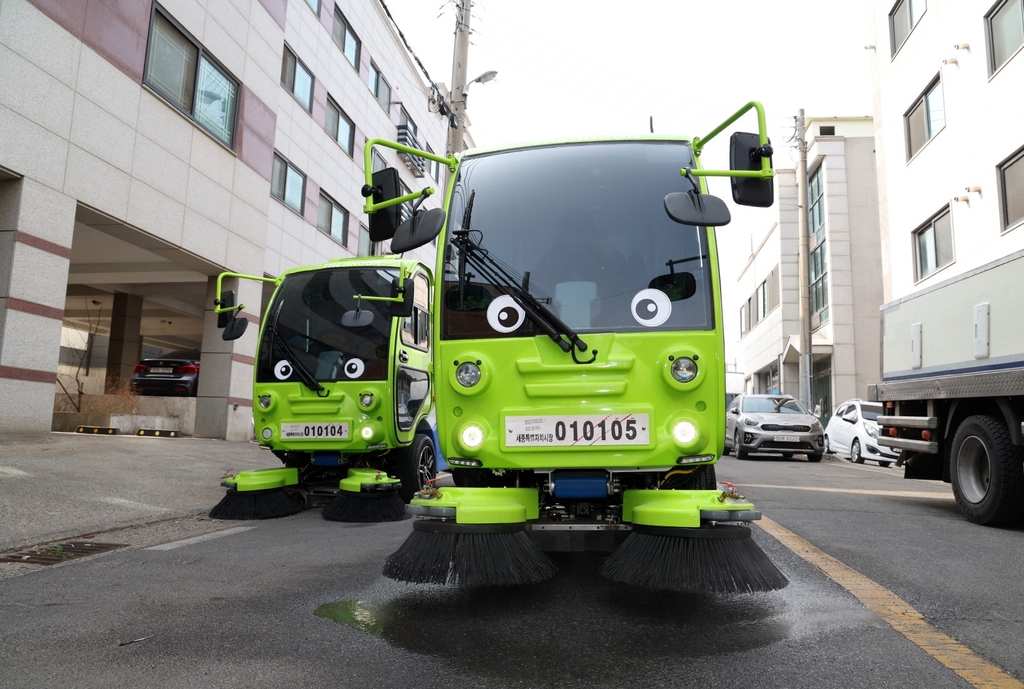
(174, 373)
(853, 432)
(772, 423)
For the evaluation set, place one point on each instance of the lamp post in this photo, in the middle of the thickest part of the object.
(459, 84)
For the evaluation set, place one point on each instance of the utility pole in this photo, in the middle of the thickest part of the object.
(459, 66)
(803, 268)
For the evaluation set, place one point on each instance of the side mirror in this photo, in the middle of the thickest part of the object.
(735, 412)
(677, 286)
(227, 300)
(402, 309)
(691, 208)
(745, 153)
(384, 222)
(235, 329)
(419, 230)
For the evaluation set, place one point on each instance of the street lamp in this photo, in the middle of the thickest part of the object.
(459, 110)
(482, 79)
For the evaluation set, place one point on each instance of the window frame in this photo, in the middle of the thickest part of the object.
(349, 148)
(1016, 158)
(433, 165)
(816, 203)
(364, 241)
(338, 15)
(327, 201)
(378, 77)
(923, 101)
(291, 89)
(818, 307)
(302, 198)
(316, 10)
(994, 68)
(893, 48)
(915, 238)
(201, 53)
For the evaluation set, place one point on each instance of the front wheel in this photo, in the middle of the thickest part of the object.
(855, 455)
(737, 447)
(816, 457)
(987, 472)
(828, 448)
(884, 465)
(416, 466)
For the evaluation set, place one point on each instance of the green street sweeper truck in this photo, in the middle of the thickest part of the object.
(579, 364)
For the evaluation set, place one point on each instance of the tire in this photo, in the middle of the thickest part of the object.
(416, 465)
(987, 472)
(828, 448)
(787, 455)
(702, 478)
(737, 447)
(884, 465)
(855, 455)
(816, 457)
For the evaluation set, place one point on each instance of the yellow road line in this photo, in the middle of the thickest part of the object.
(856, 491)
(898, 613)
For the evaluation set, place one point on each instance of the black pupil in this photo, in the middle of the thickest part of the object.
(646, 308)
(508, 315)
(352, 367)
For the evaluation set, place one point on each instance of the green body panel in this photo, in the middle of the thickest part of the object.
(676, 508)
(264, 479)
(487, 505)
(358, 478)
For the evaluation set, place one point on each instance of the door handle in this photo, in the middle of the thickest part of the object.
(403, 356)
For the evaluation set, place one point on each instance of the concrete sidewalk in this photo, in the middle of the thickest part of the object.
(63, 485)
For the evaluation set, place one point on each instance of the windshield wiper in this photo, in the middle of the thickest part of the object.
(493, 271)
(308, 379)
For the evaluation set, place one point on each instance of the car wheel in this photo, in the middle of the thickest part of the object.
(738, 447)
(816, 457)
(855, 453)
(884, 465)
(828, 449)
(417, 466)
(988, 481)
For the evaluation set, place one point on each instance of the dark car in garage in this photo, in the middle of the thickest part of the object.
(174, 373)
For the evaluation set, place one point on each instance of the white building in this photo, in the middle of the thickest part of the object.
(148, 146)
(948, 78)
(844, 267)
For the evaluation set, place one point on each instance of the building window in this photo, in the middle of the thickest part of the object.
(314, 5)
(406, 212)
(1005, 24)
(435, 167)
(816, 206)
(379, 87)
(365, 245)
(297, 79)
(288, 184)
(819, 286)
(339, 126)
(902, 19)
(772, 289)
(1011, 183)
(377, 161)
(925, 118)
(333, 220)
(346, 38)
(180, 70)
(933, 245)
(744, 323)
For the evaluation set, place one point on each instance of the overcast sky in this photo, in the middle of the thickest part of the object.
(576, 68)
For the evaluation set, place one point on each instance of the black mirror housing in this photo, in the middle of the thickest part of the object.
(402, 309)
(384, 222)
(419, 230)
(692, 208)
(235, 329)
(227, 300)
(745, 154)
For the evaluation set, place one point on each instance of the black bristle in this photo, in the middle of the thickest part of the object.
(365, 507)
(255, 504)
(469, 557)
(704, 565)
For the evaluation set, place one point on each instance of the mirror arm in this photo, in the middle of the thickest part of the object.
(220, 278)
(765, 150)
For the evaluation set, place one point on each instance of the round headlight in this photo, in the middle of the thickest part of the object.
(472, 436)
(468, 374)
(366, 399)
(265, 401)
(684, 370)
(684, 432)
(267, 433)
(366, 432)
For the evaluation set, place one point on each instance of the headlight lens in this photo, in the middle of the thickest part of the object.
(366, 399)
(468, 374)
(265, 401)
(684, 370)
(747, 421)
(872, 431)
(366, 432)
(266, 433)
(684, 432)
(472, 436)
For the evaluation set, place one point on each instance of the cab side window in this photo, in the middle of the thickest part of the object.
(416, 328)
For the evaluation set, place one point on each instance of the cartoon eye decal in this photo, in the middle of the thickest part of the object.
(651, 307)
(354, 368)
(283, 369)
(505, 315)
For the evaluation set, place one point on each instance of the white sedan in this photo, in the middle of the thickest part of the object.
(853, 432)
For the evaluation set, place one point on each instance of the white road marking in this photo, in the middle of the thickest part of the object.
(11, 471)
(855, 491)
(199, 539)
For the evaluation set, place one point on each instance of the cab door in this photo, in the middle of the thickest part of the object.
(412, 363)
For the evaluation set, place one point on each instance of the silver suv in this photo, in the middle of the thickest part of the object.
(772, 423)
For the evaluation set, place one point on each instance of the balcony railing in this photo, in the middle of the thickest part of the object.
(406, 137)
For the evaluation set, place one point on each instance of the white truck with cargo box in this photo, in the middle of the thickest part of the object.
(953, 387)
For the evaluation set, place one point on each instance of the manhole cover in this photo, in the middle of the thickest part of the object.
(59, 552)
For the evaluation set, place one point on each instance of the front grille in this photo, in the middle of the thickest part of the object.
(783, 427)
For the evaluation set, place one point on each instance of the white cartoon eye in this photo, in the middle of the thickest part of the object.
(354, 368)
(504, 314)
(283, 369)
(651, 307)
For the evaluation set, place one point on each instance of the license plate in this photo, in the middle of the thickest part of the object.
(580, 431)
(162, 369)
(787, 438)
(314, 431)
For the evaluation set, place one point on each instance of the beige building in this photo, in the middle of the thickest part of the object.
(149, 146)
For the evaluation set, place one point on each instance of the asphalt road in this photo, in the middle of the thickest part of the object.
(300, 601)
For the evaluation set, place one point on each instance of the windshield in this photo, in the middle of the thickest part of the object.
(772, 405)
(871, 412)
(307, 311)
(583, 227)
